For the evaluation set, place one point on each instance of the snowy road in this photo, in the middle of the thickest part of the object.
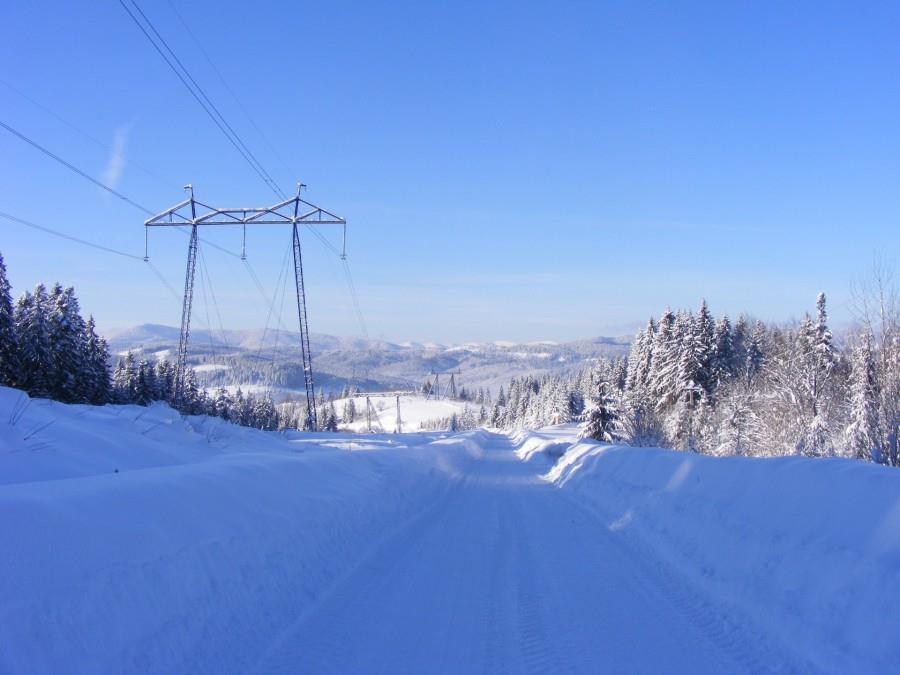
(148, 542)
(506, 574)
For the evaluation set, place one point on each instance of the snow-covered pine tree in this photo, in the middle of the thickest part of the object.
(36, 362)
(722, 359)
(349, 416)
(67, 331)
(331, 423)
(740, 333)
(145, 388)
(8, 342)
(640, 359)
(753, 353)
(664, 366)
(816, 359)
(193, 399)
(222, 404)
(737, 426)
(96, 365)
(125, 379)
(165, 380)
(704, 332)
(889, 399)
(689, 371)
(863, 434)
(603, 416)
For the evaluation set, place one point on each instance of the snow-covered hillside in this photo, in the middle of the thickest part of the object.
(374, 365)
(141, 541)
(414, 411)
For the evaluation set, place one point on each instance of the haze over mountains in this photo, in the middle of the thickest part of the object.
(245, 356)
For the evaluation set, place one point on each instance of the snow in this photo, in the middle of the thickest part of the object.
(413, 411)
(210, 367)
(809, 548)
(143, 541)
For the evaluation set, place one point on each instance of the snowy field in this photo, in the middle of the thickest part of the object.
(140, 541)
(414, 410)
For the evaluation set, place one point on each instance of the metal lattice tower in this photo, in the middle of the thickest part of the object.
(294, 212)
(434, 388)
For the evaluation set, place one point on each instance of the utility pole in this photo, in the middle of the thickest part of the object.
(399, 427)
(294, 212)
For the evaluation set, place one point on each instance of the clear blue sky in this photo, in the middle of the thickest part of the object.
(516, 170)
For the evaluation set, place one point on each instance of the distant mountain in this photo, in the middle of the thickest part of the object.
(249, 357)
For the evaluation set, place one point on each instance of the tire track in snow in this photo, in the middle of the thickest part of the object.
(326, 650)
(536, 651)
(749, 649)
(495, 620)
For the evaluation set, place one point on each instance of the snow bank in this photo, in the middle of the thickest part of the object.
(139, 541)
(806, 549)
(548, 444)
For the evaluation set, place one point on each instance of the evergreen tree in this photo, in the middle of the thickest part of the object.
(753, 353)
(67, 331)
(165, 380)
(8, 341)
(740, 334)
(125, 380)
(603, 416)
(96, 360)
(331, 418)
(704, 336)
(36, 363)
(222, 404)
(722, 361)
(143, 388)
(666, 353)
(349, 412)
(863, 434)
(193, 399)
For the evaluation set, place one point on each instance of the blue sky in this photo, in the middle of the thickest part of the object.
(511, 170)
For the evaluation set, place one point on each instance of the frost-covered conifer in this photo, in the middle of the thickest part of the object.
(36, 362)
(96, 362)
(67, 331)
(863, 434)
(8, 341)
(603, 416)
(722, 360)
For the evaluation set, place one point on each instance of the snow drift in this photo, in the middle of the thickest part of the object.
(808, 550)
(139, 541)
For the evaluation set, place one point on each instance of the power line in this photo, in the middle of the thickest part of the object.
(200, 96)
(63, 235)
(216, 116)
(99, 247)
(74, 168)
(96, 182)
(355, 299)
(77, 130)
(231, 91)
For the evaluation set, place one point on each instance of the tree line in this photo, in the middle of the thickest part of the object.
(694, 382)
(49, 350)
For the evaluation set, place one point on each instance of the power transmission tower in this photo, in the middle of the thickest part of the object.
(399, 428)
(372, 412)
(294, 212)
(434, 390)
